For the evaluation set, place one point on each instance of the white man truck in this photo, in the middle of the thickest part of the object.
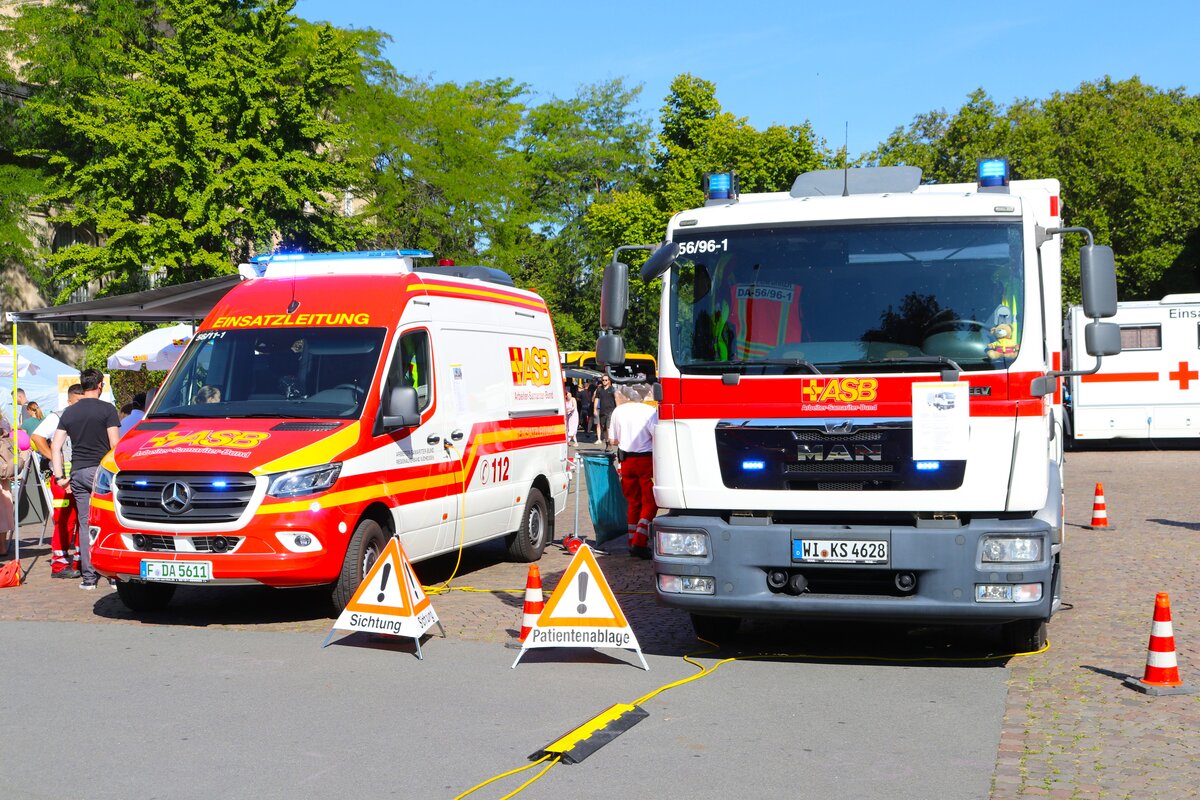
(1151, 390)
(860, 413)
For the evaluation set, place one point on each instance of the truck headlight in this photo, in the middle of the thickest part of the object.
(1011, 549)
(681, 543)
(304, 481)
(102, 483)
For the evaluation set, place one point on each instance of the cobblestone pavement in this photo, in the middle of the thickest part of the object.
(1071, 729)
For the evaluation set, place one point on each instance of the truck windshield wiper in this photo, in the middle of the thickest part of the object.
(941, 361)
(741, 365)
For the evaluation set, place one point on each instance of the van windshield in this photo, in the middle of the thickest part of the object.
(308, 373)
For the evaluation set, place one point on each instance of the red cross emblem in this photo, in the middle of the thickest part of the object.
(1184, 375)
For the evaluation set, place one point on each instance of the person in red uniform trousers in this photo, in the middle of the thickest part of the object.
(64, 541)
(631, 431)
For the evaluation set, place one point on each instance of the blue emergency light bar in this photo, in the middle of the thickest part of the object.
(928, 466)
(754, 466)
(271, 258)
(720, 186)
(993, 172)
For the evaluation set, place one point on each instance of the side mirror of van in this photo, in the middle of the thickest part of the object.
(614, 296)
(1098, 281)
(400, 408)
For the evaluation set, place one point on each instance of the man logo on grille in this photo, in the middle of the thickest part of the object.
(176, 497)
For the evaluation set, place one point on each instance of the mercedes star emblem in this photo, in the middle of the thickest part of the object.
(176, 497)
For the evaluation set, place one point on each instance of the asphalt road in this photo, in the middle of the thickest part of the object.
(120, 711)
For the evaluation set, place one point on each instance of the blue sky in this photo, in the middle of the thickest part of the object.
(874, 65)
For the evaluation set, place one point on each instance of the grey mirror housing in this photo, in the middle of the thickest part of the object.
(614, 296)
(400, 408)
(610, 350)
(1098, 281)
(660, 262)
(1102, 338)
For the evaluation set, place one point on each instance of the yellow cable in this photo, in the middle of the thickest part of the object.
(502, 775)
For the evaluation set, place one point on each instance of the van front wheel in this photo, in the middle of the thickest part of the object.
(537, 528)
(364, 550)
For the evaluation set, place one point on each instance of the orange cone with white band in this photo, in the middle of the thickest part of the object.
(1162, 670)
(533, 600)
(1100, 512)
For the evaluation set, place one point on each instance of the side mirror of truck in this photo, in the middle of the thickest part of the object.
(614, 296)
(1102, 338)
(400, 408)
(659, 262)
(1098, 281)
(610, 349)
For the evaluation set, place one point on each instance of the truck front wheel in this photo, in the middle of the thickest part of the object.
(364, 549)
(1024, 635)
(145, 596)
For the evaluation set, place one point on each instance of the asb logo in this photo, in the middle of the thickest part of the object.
(840, 390)
(239, 439)
(530, 365)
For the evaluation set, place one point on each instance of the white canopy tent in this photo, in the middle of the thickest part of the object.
(158, 349)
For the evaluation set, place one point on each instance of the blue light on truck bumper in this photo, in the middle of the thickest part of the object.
(685, 543)
(686, 584)
(1008, 592)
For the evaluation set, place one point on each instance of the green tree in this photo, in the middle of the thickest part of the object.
(187, 134)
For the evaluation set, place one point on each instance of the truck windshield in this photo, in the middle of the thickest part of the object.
(848, 298)
(308, 373)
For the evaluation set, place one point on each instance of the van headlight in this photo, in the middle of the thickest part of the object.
(102, 483)
(304, 481)
(1011, 549)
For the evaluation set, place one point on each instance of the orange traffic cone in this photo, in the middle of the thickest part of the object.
(1162, 671)
(1100, 512)
(533, 600)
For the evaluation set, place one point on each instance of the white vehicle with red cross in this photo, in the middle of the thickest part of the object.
(860, 413)
(1151, 390)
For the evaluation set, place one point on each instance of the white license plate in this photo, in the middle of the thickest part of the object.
(177, 571)
(840, 551)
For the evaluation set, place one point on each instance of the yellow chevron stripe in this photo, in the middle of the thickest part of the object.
(322, 451)
(107, 505)
(483, 293)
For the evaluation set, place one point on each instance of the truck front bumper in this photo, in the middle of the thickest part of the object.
(946, 562)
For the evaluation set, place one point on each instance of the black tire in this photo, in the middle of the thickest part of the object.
(1024, 635)
(718, 630)
(536, 531)
(363, 551)
(145, 596)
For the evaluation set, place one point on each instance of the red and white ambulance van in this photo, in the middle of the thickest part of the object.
(326, 403)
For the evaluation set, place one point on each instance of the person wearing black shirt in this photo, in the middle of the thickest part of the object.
(93, 427)
(604, 404)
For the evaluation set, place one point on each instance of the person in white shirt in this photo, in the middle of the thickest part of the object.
(631, 431)
(135, 414)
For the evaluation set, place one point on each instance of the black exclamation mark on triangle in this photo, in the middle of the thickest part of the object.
(387, 570)
(582, 608)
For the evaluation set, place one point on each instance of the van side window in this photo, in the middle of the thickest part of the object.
(410, 367)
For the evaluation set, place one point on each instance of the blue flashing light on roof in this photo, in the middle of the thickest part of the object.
(272, 258)
(720, 187)
(993, 172)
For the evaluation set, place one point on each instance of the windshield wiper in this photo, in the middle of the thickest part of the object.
(738, 365)
(277, 415)
(941, 361)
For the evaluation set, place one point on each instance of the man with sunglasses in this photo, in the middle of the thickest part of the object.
(602, 408)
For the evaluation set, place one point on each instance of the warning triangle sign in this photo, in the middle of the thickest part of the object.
(390, 598)
(582, 612)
